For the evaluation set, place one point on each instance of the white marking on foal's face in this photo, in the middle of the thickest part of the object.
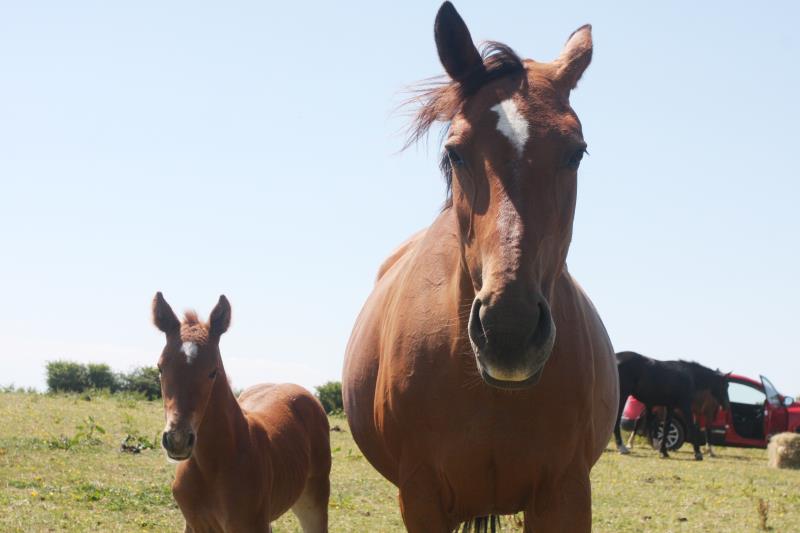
(512, 124)
(190, 350)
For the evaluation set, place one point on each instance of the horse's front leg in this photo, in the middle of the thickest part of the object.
(709, 450)
(566, 507)
(694, 431)
(420, 503)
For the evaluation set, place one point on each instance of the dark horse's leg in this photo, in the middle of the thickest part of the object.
(667, 422)
(694, 431)
(708, 439)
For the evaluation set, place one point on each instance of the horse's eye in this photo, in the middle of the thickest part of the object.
(455, 157)
(575, 159)
(213, 374)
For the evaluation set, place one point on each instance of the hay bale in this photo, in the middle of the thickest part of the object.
(783, 450)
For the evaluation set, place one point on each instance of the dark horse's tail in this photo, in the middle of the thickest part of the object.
(482, 524)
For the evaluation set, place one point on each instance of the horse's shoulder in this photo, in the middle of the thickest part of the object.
(399, 253)
(580, 300)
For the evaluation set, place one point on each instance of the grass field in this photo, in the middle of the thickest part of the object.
(60, 472)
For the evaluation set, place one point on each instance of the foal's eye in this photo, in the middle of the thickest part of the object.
(455, 157)
(575, 159)
(213, 374)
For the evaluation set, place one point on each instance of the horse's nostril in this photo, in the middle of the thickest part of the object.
(476, 330)
(190, 441)
(542, 330)
(165, 440)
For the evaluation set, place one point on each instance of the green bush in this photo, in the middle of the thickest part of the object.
(144, 380)
(67, 376)
(330, 396)
(101, 377)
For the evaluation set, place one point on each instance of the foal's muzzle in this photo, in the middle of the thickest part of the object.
(178, 443)
(512, 340)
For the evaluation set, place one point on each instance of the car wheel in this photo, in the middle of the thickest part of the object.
(675, 435)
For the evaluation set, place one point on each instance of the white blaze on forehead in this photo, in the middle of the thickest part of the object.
(512, 124)
(190, 350)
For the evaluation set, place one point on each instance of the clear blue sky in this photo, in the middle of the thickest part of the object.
(251, 149)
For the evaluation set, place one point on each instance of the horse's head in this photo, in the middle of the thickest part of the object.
(512, 153)
(189, 365)
(719, 389)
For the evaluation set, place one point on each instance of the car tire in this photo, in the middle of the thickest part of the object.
(676, 435)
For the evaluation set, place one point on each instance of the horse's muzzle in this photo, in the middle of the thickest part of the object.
(178, 443)
(511, 341)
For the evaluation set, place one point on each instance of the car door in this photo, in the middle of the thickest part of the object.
(745, 425)
(776, 416)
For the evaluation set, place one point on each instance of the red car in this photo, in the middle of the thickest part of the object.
(757, 411)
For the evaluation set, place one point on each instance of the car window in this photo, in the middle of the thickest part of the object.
(741, 393)
(772, 393)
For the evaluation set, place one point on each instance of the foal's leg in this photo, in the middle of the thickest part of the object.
(311, 508)
(565, 507)
(633, 432)
(623, 397)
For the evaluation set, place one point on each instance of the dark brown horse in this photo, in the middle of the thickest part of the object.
(479, 378)
(242, 463)
(669, 384)
(704, 410)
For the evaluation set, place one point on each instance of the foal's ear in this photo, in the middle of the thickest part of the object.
(457, 52)
(220, 317)
(575, 57)
(163, 316)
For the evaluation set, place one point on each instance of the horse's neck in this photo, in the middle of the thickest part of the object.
(222, 426)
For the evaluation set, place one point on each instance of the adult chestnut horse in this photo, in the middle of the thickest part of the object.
(242, 463)
(479, 378)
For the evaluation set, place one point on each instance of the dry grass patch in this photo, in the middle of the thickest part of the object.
(91, 486)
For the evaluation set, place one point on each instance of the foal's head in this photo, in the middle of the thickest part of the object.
(512, 153)
(189, 365)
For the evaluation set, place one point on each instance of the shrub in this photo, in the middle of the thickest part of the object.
(144, 380)
(67, 376)
(330, 396)
(101, 377)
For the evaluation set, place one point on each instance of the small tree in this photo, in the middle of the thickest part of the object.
(67, 376)
(145, 380)
(101, 377)
(330, 396)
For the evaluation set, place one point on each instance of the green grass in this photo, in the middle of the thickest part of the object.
(89, 485)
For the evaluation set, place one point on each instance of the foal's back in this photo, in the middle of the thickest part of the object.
(298, 435)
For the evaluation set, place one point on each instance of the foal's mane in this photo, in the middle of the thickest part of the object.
(439, 99)
(192, 329)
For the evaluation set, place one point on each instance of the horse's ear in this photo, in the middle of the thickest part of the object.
(163, 316)
(220, 318)
(575, 57)
(457, 52)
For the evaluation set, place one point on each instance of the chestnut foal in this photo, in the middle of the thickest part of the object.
(242, 463)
